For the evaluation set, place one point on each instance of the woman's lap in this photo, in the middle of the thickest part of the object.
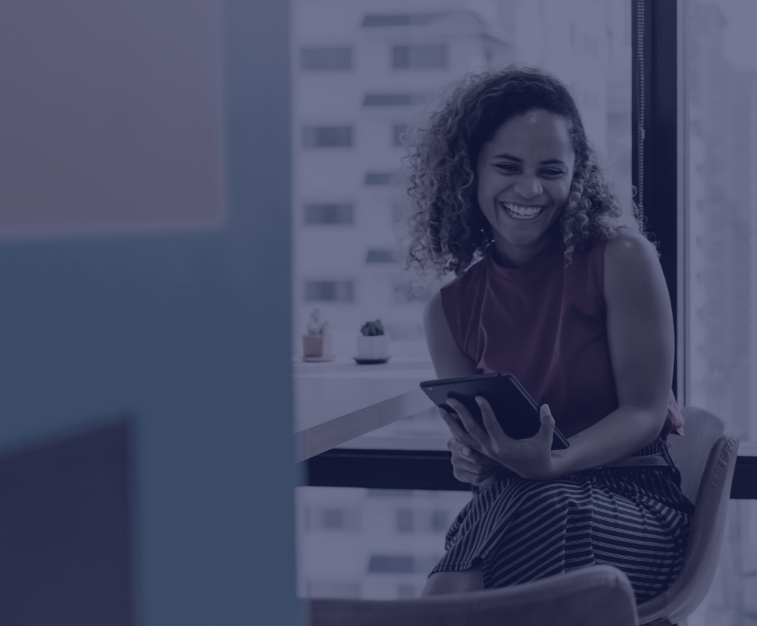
(521, 530)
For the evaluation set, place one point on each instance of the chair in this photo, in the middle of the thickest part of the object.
(706, 457)
(594, 596)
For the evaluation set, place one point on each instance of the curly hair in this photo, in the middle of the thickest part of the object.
(448, 230)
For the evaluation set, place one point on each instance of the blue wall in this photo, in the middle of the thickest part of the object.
(190, 334)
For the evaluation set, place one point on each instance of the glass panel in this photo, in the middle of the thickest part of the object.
(350, 129)
(328, 214)
(327, 136)
(419, 57)
(354, 542)
(721, 121)
(720, 117)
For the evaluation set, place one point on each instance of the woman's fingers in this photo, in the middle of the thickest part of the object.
(469, 466)
(472, 478)
(491, 424)
(474, 468)
(467, 470)
(469, 454)
(473, 428)
(547, 428)
(456, 429)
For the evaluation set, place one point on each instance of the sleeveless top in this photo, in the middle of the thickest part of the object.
(545, 324)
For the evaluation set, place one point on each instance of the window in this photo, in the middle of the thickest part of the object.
(327, 136)
(721, 205)
(432, 521)
(391, 564)
(392, 99)
(387, 93)
(333, 518)
(720, 270)
(326, 58)
(378, 178)
(385, 564)
(419, 57)
(415, 19)
(328, 214)
(381, 255)
(329, 291)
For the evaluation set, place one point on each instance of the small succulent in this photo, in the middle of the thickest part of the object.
(315, 325)
(371, 329)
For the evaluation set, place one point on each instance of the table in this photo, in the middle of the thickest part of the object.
(341, 401)
(371, 426)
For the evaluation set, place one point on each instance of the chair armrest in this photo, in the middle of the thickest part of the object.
(593, 596)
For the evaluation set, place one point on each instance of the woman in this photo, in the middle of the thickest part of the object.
(508, 195)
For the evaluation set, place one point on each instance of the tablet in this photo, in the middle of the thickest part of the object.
(515, 409)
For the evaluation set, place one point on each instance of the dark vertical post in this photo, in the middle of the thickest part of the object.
(655, 149)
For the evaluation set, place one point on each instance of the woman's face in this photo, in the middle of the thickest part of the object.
(523, 176)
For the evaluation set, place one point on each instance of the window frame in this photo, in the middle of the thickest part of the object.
(656, 153)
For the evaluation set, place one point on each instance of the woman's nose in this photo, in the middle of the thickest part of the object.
(529, 187)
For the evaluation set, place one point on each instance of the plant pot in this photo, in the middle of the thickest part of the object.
(316, 346)
(372, 347)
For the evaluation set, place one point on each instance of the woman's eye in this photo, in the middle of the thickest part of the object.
(506, 167)
(551, 172)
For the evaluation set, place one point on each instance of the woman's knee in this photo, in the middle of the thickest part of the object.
(454, 582)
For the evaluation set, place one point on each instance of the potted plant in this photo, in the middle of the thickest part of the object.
(316, 345)
(372, 343)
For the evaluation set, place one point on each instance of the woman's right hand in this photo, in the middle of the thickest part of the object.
(472, 467)
(469, 465)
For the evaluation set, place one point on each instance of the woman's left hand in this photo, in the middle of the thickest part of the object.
(529, 458)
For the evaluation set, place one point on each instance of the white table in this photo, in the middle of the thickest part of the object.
(339, 401)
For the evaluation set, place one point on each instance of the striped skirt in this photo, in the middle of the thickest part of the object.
(518, 530)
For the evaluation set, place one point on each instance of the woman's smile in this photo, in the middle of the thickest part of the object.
(521, 212)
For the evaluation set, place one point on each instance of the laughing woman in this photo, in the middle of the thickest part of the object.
(507, 194)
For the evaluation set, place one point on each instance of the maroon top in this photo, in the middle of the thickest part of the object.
(546, 324)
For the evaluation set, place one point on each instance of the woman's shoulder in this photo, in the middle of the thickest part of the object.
(614, 260)
(631, 267)
(628, 253)
(629, 240)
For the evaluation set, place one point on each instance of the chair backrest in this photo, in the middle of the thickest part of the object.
(593, 596)
(706, 457)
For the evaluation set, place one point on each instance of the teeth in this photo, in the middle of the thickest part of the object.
(521, 212)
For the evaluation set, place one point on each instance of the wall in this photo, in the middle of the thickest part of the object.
(122, 295)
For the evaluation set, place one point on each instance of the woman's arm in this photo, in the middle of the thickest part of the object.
(641, 342)
(449, 361)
